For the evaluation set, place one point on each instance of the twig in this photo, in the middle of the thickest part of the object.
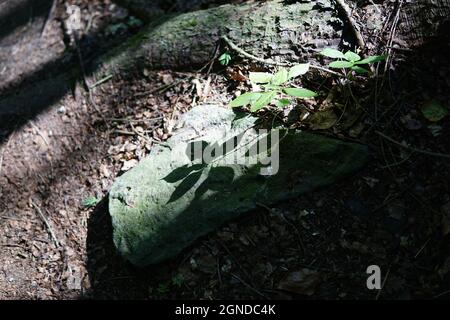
(47, 224)
(160, 89)
(302, 246)
(10, 245)
(441, 294)
(1, 159)
(397, 163)
(348, 13)
(387, 65)
(376, 6)
(101, 81)
(421, 248)
(270, 62)
(148, 139)
(124, 132)
(249, 286)
(234, 259)
(384, 282)
(83, 73)
(2, 152)
(435, 154)
(49, 16)
(219, 276)
(39, 132)
(130, 120)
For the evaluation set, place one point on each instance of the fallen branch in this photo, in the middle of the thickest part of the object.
(39, 132)
(348, 14)
(49, 17)
(46, 222)
(435, 154)
(270, 62)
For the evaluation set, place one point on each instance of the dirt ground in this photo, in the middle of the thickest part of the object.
(395, 213)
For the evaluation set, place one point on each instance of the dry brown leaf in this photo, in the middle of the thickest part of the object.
(127, 165)
(303, 282)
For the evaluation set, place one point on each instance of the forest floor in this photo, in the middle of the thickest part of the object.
(395, 213)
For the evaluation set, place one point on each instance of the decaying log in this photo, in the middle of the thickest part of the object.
(422, 20)
(271, 29)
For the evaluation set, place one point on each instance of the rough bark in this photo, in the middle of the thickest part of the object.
(422, 20)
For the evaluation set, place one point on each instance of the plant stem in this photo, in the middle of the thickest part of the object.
(270, 62)
(435, 154)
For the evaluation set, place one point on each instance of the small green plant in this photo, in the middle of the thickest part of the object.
(90, 202)
(274, 88)
(225, 59)
(350, 60)
(163, 288)
(178, 280)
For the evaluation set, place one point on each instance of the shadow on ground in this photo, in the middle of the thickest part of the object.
(110, 276)
(420, 184)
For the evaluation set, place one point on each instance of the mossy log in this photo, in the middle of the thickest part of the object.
(271, 30)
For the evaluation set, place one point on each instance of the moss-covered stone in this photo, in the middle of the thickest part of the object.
(167, 201)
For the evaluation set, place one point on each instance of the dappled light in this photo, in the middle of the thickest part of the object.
(213, 149)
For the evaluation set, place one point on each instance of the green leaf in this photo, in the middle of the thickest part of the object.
(351, 56)
(282, 103)
(117, 28)
(245, 99)
(434, 111)
(298, 70)
(163, 288)
(280, 77)
(371, 59)
(260, 77)
(359, 69)
(178, 280)
(90, 202)
(263, 100)
(134, 22)
(332, 53)
(341, 64)
(225, 59)
(300, 92)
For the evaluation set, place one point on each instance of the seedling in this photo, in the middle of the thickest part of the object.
(178, 280)
(90, 202)
(225, 59)
(350, 60)
(274, 88)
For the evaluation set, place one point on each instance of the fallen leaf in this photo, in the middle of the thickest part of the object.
(127, 165)
(104, 171)
(322, 120)
(434, 111)
(304, 282)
